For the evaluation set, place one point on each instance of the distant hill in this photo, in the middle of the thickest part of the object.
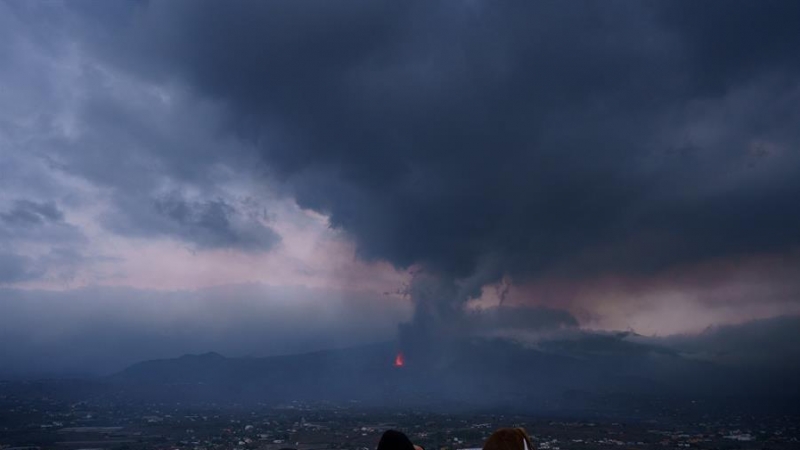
(605, 374)
(481, 372)
(336, 375)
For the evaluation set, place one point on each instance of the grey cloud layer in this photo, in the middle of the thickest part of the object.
(206, 224)
(27, 213)
(74, 132)
(37, 223)
(576, 137)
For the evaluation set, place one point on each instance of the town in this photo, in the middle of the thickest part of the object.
(42, 423)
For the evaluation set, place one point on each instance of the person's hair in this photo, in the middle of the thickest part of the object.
(509, 439)
(395, 440)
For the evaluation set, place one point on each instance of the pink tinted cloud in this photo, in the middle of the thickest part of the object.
(688, 298)
(310, 254)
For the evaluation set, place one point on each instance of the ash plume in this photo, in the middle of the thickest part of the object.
(540, 136)
(443, 135)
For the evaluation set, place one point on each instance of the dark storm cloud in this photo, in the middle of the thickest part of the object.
(210, 224)
(507, 138)
(727, 44)
(27, 222)
(41, 221)
(71, 117)
(60, 263)
(158, 145)
(28, 213)
(206, 224)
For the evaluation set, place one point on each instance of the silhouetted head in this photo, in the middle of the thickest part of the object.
(395, 440)
(509, 439)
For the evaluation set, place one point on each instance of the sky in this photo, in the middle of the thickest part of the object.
(259, 178)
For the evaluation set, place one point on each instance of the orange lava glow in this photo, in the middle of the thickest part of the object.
(399, 360)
